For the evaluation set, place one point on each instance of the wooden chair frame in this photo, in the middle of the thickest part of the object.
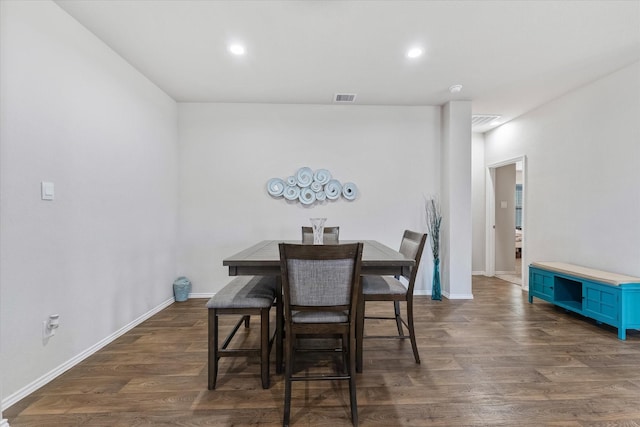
(419, 239)
(345, 330)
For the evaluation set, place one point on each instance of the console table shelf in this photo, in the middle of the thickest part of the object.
(607, 297)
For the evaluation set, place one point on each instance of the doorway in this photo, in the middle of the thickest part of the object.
(506, 221)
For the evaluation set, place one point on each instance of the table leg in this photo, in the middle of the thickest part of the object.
(279, 325)
(359, 331)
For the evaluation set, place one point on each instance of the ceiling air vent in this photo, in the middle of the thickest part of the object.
(344, 97)
(483, 119)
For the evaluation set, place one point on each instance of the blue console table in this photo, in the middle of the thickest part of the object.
(609, 298)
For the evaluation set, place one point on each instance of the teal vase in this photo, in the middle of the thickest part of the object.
(435, 286)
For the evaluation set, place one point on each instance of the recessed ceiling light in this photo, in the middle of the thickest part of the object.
(414, 52)
(236, 49)
(455, 88)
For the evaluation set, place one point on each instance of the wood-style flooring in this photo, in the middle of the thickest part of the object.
(495, 360)
(516, 276)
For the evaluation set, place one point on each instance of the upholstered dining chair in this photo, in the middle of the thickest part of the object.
(330, 235)
(389, 288)
(320, 284)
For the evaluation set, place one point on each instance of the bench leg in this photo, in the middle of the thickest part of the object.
(622, 333)
(213, 348)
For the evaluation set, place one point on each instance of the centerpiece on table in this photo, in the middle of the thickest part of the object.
(318, 230)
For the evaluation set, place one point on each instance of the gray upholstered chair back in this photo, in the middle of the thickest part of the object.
(330, 235)
(320, 282)
(412, 246)
(409, 247)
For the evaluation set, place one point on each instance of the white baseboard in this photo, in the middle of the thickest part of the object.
(201, 295)
(507, 273)
(478, 273)
(4, 423)
(458, 296)
(49, 376)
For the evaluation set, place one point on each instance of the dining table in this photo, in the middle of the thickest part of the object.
(263, 258)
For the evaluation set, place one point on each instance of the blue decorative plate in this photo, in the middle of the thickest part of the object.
(333, 189)
(349, 191)
(275, 187)
(307, 196)
(291, 192)
(304, 177)
(322, 176)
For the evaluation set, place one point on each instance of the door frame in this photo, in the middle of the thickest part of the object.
(490, 243)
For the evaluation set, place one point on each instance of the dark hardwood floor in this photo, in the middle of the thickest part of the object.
(493, 361)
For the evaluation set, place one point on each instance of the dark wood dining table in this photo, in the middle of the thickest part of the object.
(263, 258)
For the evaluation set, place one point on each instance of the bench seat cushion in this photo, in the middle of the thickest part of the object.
(614, 279)
(246, 292)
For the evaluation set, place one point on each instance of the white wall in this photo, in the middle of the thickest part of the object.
(455, 250)
(582, 198)
(101, 254)
(229, 151)
(478, 172)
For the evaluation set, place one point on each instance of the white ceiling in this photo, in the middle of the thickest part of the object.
(510, 56)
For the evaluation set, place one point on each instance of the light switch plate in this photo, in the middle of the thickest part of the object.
(503, 205)
(47, 190)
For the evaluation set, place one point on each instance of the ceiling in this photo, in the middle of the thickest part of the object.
(509, 56)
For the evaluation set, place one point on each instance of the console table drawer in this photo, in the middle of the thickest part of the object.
(601, 303)
(541, 284)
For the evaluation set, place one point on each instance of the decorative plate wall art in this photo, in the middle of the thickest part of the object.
(309, 187)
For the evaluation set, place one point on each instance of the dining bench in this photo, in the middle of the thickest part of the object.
(245, 296)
